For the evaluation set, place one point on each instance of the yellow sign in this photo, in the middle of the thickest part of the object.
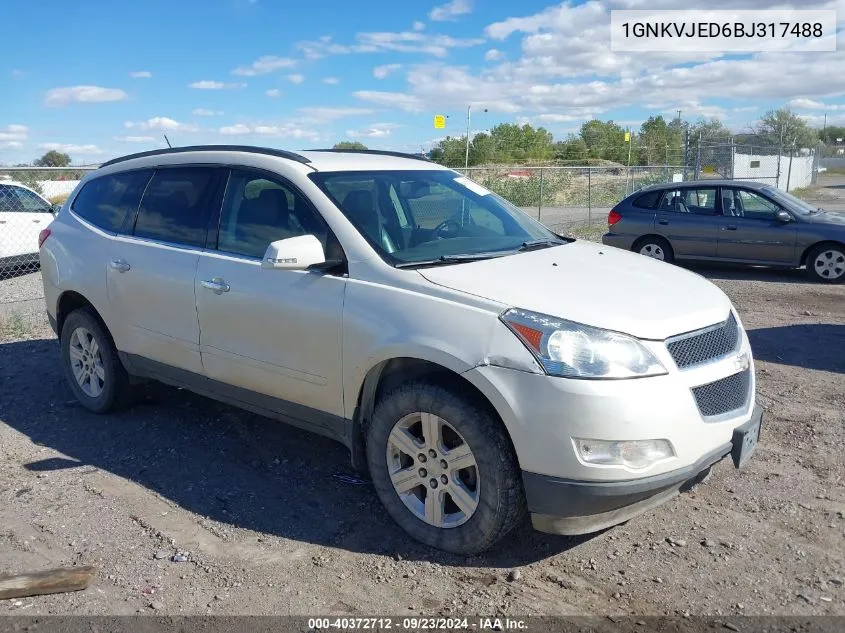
(439, 121)
(627, 136)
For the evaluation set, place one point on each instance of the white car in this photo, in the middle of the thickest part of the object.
(23, 214)
(476, 364)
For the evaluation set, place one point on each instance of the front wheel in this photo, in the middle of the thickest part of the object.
(444, 469)
(826, 262)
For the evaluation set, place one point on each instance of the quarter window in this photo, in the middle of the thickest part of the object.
(695, 201)
(175, 206)
(105, 202)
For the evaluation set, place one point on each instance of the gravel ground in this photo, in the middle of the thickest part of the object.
(270, 520)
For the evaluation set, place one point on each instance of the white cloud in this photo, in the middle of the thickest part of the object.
(380, 72)
(418, 26)
(326, 114)
(141, 74)
(161, 123)
(17, 73)
(375, 42)
(11, 144)
(134, 139)
(83, 94)
(406, 102)
(376, 130)
(283, 130)
(810, 104)
(215, 85)
(13, 133)
(206, 112)
(70, 148)
(264, 65)
(237, 128)
(296, 78)
(493, 55)
(274, 93)
(331, 81)
(450, 10)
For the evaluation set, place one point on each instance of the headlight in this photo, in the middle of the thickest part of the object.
(572, 350)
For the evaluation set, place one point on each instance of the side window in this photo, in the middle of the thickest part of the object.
(175, 206)
(9, 200)
(105, 202)
(748, 204)
(258, 211)
(647, 200)
(31, 202)
(695, 201)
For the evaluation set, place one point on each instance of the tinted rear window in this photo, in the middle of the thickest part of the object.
(105, 202)
(175, 206)
(647, 200)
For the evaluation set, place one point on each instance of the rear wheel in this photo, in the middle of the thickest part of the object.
(826, 262)
(94, 372)
(654, 247)
(444, 469)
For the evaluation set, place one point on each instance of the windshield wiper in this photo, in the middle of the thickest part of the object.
(450, 259)
(532, 245)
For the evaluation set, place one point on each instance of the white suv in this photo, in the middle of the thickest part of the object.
(476, 364)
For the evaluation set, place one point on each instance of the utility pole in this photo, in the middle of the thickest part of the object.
(469, 114)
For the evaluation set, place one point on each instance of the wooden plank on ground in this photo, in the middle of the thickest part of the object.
(45, 582)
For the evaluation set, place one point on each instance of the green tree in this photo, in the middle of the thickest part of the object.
(52, 158)
(659, 142)
(785, 128)
(514, 143)
(450, 151)
(349, 145)
(605, 139)
(572, 148)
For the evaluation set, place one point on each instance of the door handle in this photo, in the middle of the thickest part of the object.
(119, 265)
(729, 227)
(663, 222)
(37, 221)
(2, 221)
(216, 285)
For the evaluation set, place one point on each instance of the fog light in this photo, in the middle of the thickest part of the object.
(634, 454)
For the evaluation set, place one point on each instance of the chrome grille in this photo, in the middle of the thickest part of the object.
(701, 346)
(723, 395)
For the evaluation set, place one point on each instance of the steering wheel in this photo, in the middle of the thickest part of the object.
(440, 231)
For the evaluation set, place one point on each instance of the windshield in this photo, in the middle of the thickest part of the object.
(795, 204)
(415, 217)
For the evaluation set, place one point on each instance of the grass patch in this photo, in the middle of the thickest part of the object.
(13, 327)
(590, 233)
(59, 199)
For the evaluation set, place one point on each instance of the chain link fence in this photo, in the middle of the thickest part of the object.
(570, 199)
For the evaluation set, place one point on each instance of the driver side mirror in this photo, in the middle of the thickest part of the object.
(294, 253)
(783, 216)
(55, 208)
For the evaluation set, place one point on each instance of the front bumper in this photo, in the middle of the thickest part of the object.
(563, 506)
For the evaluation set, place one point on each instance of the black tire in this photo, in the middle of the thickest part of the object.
(116, 390)
(656, 242)
(837, 260)
(501, 500)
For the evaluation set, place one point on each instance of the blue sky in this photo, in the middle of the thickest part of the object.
(99, 79)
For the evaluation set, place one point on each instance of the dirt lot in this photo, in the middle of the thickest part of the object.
(270, 522)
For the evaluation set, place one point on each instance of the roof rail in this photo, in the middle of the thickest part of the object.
(375, 152)
(280, 153)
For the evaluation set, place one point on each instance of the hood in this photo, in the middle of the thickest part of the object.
(826, 217)
(594, 285)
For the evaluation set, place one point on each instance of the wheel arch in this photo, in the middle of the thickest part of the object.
(808, 250)
(71, 300)
(388, 374)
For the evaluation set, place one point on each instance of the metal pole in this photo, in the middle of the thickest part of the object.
(733, 157)
(780, 151)
(697, 158)
(628, 174)
(589, 196)
(466, 160)
(540, 201)
(789, 171)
